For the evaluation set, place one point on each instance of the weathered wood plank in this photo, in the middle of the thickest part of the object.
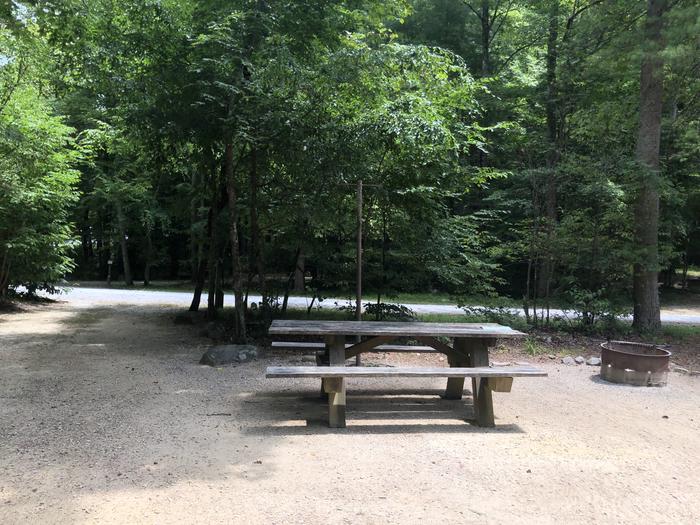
(458, 358)
(336, 349)
(304, 346)
(365, 346)
(501, 384)
(386, 371)
(437, 345)
(334, 355)
(335, 388)
(481, 389)
(397, 329)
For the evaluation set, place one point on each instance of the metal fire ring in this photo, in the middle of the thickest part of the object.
(632, 363)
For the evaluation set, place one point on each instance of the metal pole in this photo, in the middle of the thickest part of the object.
(358, 304)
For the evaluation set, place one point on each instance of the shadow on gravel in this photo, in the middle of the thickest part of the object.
(595, 378)
(101, 402)
(368, 412)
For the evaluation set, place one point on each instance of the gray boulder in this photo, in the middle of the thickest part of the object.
(568, 360)
(593, 361)
(579, 359)
(225, 354)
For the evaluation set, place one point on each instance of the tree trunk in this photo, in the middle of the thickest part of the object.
(149, 259)
(292, 280)
(485, 38)
(198, 287)
(194, 241)
(647, 315)
(121, 223)
(686, 258)
(552, 113)
(110, 262)
(4, 275)
(239, 325)
(299, 272)
(219, 298)
(255, 237)
(212, 256)
(201, 266)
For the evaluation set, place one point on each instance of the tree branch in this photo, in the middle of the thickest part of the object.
(473, 10)
(518, 50)
(575, 14)
(504, 16)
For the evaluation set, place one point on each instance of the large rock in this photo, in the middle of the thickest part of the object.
(225, 354)
(568, 360)
(593, 361)
(579, 359)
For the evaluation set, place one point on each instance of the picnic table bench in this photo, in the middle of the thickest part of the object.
(467, 357)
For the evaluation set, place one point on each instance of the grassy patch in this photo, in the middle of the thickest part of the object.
(533, 347)
(680, 331)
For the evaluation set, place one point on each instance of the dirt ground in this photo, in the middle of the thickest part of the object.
(106, 417)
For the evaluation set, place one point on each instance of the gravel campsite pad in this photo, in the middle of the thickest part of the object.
(107, 417)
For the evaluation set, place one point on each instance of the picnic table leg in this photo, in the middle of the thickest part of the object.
(455, 385)
(322, 359)
(481, 389)
(335, 386)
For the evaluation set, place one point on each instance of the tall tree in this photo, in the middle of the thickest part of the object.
(646, 207)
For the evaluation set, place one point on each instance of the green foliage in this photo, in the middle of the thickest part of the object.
(532, 347)
(381, 312)
(37, 175)
(499, 170)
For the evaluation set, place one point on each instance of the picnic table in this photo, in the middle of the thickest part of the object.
(467, 357)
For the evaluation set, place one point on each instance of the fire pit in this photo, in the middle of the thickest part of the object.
(637, 364)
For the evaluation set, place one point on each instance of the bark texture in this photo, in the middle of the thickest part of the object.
(121, 222)
(646, 207)
(239, 325)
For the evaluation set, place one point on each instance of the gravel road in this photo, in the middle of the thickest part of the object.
(106, 417)
(685, 315)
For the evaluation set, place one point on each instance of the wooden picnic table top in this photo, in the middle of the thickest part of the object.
(398, 329)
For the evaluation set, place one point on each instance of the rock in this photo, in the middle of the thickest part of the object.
(579, 359)
(224, 354)
(548, 339)
(681, 370)
(552, 356)
(593, 361)
(500, 363)
(188, 318)
(568, 360)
